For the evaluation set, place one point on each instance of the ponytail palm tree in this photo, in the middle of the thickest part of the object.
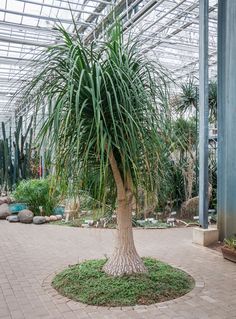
(102, 126)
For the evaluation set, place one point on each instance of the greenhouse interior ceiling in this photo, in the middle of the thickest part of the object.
(168, 30)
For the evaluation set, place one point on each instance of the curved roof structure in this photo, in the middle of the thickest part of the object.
(168, 30)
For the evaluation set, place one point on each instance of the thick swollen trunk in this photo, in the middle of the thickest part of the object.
(125, 259)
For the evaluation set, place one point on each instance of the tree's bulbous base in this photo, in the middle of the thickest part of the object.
(124, 264)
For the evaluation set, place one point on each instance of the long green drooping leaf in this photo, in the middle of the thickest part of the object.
(102, 100)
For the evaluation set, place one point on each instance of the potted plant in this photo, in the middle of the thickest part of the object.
(229, 249)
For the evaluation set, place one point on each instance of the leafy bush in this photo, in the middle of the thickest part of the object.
(36, 193)
(230, 243)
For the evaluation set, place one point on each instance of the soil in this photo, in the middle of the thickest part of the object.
(217, 246)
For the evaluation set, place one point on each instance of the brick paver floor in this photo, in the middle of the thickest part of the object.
(30, 255)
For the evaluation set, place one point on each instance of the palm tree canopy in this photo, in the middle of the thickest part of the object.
(101, 99)
(188, 98)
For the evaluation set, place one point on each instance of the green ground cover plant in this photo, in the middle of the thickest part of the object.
(88, 283)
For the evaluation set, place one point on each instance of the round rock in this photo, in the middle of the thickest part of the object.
(13, 219)
(59, 217)
(47, 219)
(26, 216)
(4, 211)
(39, 220)
(5, 200)
(53, 218)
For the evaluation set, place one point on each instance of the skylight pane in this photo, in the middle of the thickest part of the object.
(30, 21)
(2, 4)
(13, 18)
(32, 9)
(14, 5)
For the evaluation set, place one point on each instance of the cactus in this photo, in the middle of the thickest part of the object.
(15, 156)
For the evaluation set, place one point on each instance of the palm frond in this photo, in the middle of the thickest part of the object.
(103, 99)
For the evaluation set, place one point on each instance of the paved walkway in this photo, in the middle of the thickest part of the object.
(30, 254)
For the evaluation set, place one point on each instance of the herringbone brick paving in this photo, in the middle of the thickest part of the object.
(30, 255)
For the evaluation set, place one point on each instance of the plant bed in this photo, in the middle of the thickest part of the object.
(229, 249)
(71, 223)
(87, 283)
(229, 254)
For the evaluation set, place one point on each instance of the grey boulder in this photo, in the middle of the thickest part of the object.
(4, 211)
(26, 216)
(13, 219)
(5, 200)
(39, 220)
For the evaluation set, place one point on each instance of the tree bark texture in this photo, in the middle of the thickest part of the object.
(125, 259)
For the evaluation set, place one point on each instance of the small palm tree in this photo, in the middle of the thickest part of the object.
(188, 97)
(187, 100)
(103, 126)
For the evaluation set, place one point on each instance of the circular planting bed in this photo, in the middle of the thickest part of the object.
(87, 283)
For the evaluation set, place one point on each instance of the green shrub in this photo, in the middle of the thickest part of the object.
(230, 243)
(36, 193)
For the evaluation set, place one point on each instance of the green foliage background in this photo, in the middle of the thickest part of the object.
(36, 193)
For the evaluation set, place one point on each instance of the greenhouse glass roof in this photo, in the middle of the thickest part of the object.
(168, 30)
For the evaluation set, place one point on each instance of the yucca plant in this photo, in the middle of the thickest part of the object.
(187, 100)
(104, 127)
(188, 97)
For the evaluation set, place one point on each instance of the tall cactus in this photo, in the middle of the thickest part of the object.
(15, 155)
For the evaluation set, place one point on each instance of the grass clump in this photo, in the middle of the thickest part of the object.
(87, 283)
